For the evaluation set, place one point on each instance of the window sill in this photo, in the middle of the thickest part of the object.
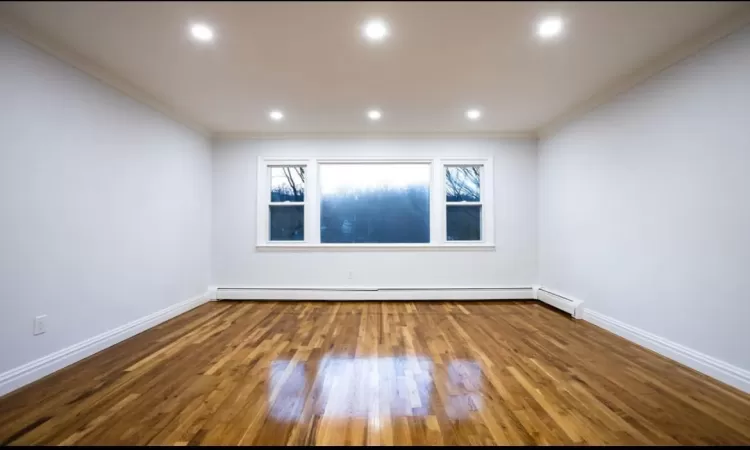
(376, 247)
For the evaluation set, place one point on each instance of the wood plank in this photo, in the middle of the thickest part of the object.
(375, 373)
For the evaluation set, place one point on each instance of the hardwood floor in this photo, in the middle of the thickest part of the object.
(375, 373)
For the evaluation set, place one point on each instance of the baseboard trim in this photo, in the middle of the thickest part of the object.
(715, 368)
(39, 368)
(566, 303)
(368, 293)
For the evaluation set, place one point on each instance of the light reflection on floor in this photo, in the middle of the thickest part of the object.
(464, 388)
(373, 387)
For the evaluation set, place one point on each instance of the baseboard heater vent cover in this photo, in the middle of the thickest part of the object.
(571, 306)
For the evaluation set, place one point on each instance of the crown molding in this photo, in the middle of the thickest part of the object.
(689, 47)
(23, 30)
(378, 135)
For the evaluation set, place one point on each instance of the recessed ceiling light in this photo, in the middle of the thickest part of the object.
(276, 115)
(549, 27)
(374, 114)
(202, 32)
(473, 114)
(375, 30)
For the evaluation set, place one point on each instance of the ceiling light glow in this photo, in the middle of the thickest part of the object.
(374, 114)
(375, 30)
(473, 114)
(202, 32)
(549, 27)
(276, 115)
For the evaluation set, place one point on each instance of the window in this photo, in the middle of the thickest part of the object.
(375, 202)
(463, 204)
(287, 203)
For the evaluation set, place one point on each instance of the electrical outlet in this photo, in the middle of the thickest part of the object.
(40, 325)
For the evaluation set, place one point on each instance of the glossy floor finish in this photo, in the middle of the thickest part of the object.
(375, 373)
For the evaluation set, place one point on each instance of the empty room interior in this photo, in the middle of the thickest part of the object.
(375, 223)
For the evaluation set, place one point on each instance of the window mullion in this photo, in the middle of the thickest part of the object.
(312, 203)
(437, 203)
(287, 204)
(262, 199)
(488, 215)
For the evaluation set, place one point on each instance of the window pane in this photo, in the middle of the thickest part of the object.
(462, 184)
(375, 203)
(288, 184)
(287, 223)
(464, 223)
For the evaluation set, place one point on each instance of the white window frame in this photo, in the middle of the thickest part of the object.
(486, 221)
(265, 203)
(438, 204)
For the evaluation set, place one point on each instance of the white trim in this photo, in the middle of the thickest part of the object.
(438, 205)
(286, 246)
(376, 160)
(39, 368)
(566, 303)
(263, 188)
(437, 202)
(312, 206)
(373, 293)
(229, 135)
(276, 161)
(732, 375)
(486, 200)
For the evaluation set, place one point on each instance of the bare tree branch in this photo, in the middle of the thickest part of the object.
(290, 180)
(295, 178)
(463, 182)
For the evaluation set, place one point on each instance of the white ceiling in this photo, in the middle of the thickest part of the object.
(309, 58)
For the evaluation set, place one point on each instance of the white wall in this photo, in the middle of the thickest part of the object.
(105, 203)
(645, 204)
(237, 263)
(107, 209)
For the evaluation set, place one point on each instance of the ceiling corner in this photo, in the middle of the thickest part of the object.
(24, 31)
(724, 27)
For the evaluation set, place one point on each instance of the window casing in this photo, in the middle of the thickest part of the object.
(353, 231)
